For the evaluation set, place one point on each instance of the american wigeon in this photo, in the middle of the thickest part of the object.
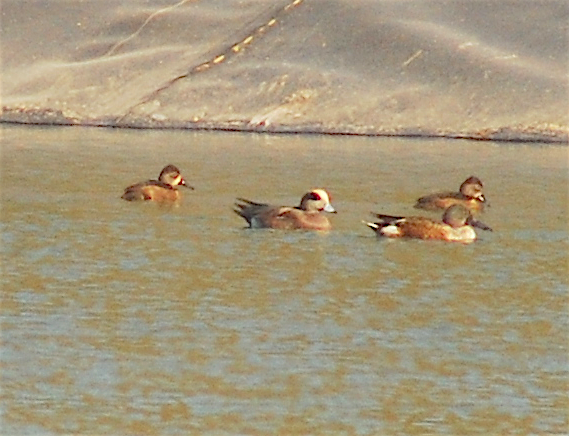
(470, 196)
(308, 215)
(457, 225)
(163, 189)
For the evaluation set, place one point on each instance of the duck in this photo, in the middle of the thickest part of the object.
(165, 189)
(308, 215)
(470, 195)
(457, 226)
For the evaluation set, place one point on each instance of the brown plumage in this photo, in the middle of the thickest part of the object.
(308, 215)
(470, 196)
(457, 225)
(165, 189)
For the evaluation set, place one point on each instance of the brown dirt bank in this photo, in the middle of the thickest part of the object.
(460, 69)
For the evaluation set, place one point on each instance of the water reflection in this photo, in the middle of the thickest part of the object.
(132, 318)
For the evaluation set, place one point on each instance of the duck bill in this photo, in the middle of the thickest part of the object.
(329, 208)
(183, 183)
(478, 224)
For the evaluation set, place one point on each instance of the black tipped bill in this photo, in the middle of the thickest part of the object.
(479, 224)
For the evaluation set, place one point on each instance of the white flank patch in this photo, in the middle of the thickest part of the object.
(390, 231)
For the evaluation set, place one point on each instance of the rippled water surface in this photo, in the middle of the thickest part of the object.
(127, 318)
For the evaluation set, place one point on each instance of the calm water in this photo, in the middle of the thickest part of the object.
(124, 318)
